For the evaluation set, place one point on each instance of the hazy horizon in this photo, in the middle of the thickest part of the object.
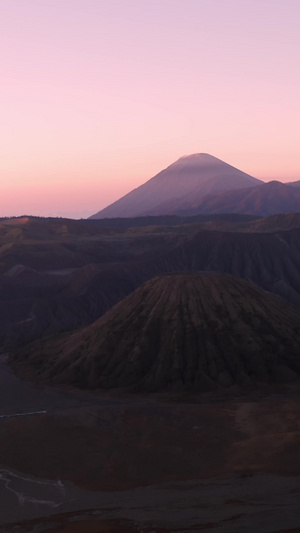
(99, 97)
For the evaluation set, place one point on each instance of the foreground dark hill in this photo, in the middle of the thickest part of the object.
(190, 331)
(178, 187)
(264, 200)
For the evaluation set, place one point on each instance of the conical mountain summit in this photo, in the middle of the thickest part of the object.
(182, 331)
(181, 185)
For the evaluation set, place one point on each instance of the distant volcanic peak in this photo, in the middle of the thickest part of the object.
(275, 183)
(200, 160)
(281, 191)
(178, 187)
(200, 155)
(197, 158)
(191, 331)
(278, 187)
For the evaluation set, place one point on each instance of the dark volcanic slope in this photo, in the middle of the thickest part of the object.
(179, 186)
(280, 222)
(264, 200)
(179, 331)
(271, 260)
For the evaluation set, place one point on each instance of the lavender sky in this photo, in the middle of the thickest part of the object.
(97, 96)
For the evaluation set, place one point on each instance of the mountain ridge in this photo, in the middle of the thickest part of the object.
(266, 199)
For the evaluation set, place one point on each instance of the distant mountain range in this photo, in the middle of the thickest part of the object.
(203, 184)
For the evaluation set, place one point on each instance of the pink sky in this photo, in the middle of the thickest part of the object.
(98, 96)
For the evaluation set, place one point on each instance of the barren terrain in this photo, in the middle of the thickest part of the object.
(86, 462)
(128, 463)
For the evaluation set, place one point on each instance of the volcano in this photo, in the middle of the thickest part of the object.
(182, 331)
(181, 185)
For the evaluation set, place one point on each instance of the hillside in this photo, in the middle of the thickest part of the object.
(263, 200)
(68, 280)
(190, 331)
(179, 186)
(294, 183)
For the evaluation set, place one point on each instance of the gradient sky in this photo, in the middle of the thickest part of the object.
(97, 96)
